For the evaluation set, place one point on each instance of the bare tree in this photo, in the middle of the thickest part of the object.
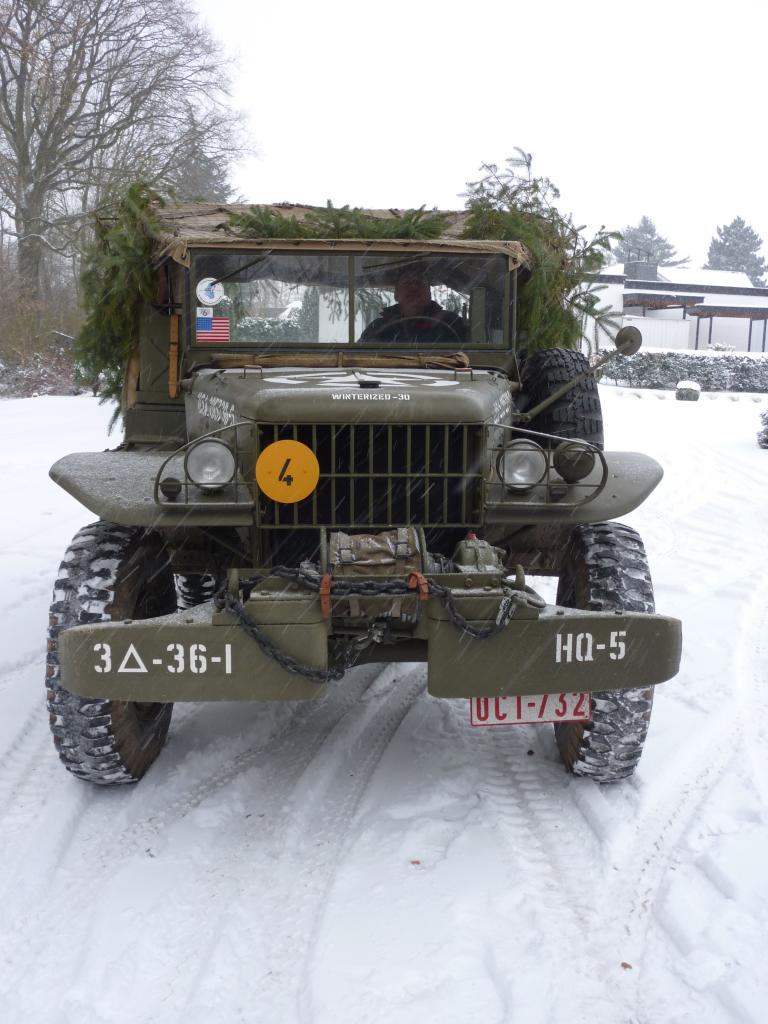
(94, 93)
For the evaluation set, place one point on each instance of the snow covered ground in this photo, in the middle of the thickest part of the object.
(374, 859)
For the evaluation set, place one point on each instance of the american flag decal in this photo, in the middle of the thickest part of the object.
(211, 330)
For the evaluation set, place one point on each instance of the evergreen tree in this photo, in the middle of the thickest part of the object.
(736, 248)
(308, 319)
(200, 171)
(643, 242)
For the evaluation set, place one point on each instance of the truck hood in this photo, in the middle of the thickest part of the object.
(360, 395)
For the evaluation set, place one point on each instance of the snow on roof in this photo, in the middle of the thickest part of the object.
(758, 302)
(715, 278)
(686, 275)
(664, 294)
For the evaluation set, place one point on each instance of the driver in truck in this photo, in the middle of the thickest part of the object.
(415, 316)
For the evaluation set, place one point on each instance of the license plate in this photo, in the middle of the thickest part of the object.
(519, 710)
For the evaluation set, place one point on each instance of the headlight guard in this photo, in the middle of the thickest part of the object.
(521, 464)
(210, 464)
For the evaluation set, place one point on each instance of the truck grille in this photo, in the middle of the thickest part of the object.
(381, 475)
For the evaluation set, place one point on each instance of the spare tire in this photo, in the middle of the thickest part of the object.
(577, 415)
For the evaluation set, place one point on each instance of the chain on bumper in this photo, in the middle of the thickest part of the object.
(512, 599)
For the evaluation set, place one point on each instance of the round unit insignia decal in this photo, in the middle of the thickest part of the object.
(209, 291)
(287, 471)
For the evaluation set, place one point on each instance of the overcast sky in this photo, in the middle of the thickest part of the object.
(654, 108)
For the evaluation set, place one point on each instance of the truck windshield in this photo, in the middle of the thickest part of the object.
(273, 299)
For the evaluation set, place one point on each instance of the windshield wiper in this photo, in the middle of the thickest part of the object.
(226, 277)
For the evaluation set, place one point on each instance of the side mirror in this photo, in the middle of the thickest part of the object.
(628, 341)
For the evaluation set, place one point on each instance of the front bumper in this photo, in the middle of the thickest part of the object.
(204, 655)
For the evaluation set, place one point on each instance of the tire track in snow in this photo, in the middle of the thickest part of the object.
(24, 767)
(645, 851)
(11, 668)
(754, 697)
(28, 593)
(681, 490)
(537, 791)
(282, 757)
(32, 778)
(31, 770)
(307, 830)
(302, 732)
(694, 529)
(552, 851)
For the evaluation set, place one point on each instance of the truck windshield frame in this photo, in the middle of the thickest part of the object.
(368, 298)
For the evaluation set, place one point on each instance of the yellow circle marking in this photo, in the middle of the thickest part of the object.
(287, 471)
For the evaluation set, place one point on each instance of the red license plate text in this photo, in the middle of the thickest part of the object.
(521, 710)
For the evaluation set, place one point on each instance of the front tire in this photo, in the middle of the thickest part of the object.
(109, 572)
(605, 569)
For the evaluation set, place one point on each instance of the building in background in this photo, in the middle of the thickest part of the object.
(678, 308)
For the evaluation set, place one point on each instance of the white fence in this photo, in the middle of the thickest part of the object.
(659, 333)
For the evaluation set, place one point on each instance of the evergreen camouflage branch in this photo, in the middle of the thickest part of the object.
(338, 222)
(553, 303)
(117, 276)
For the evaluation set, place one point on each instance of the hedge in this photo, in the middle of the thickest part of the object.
(714, 371)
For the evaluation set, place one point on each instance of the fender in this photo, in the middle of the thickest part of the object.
(119, 487)
(631, 478)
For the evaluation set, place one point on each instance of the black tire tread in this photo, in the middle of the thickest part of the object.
(578, 414)
(99, 740)
(193, 589)
(605, 569)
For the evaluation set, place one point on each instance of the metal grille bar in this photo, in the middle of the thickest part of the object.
(382, 475)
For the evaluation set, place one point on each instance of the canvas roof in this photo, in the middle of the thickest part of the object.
(188, 225)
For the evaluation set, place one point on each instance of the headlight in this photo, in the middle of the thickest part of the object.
(573, 461)
(210, 464)
(522, 465)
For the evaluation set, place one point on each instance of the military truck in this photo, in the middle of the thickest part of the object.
(337, 453)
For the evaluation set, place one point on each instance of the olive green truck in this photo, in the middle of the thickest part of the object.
(337, 453)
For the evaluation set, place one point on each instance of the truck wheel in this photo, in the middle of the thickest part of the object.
(577, 414)
(109, 572)
(605, 569)
(193, 589)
